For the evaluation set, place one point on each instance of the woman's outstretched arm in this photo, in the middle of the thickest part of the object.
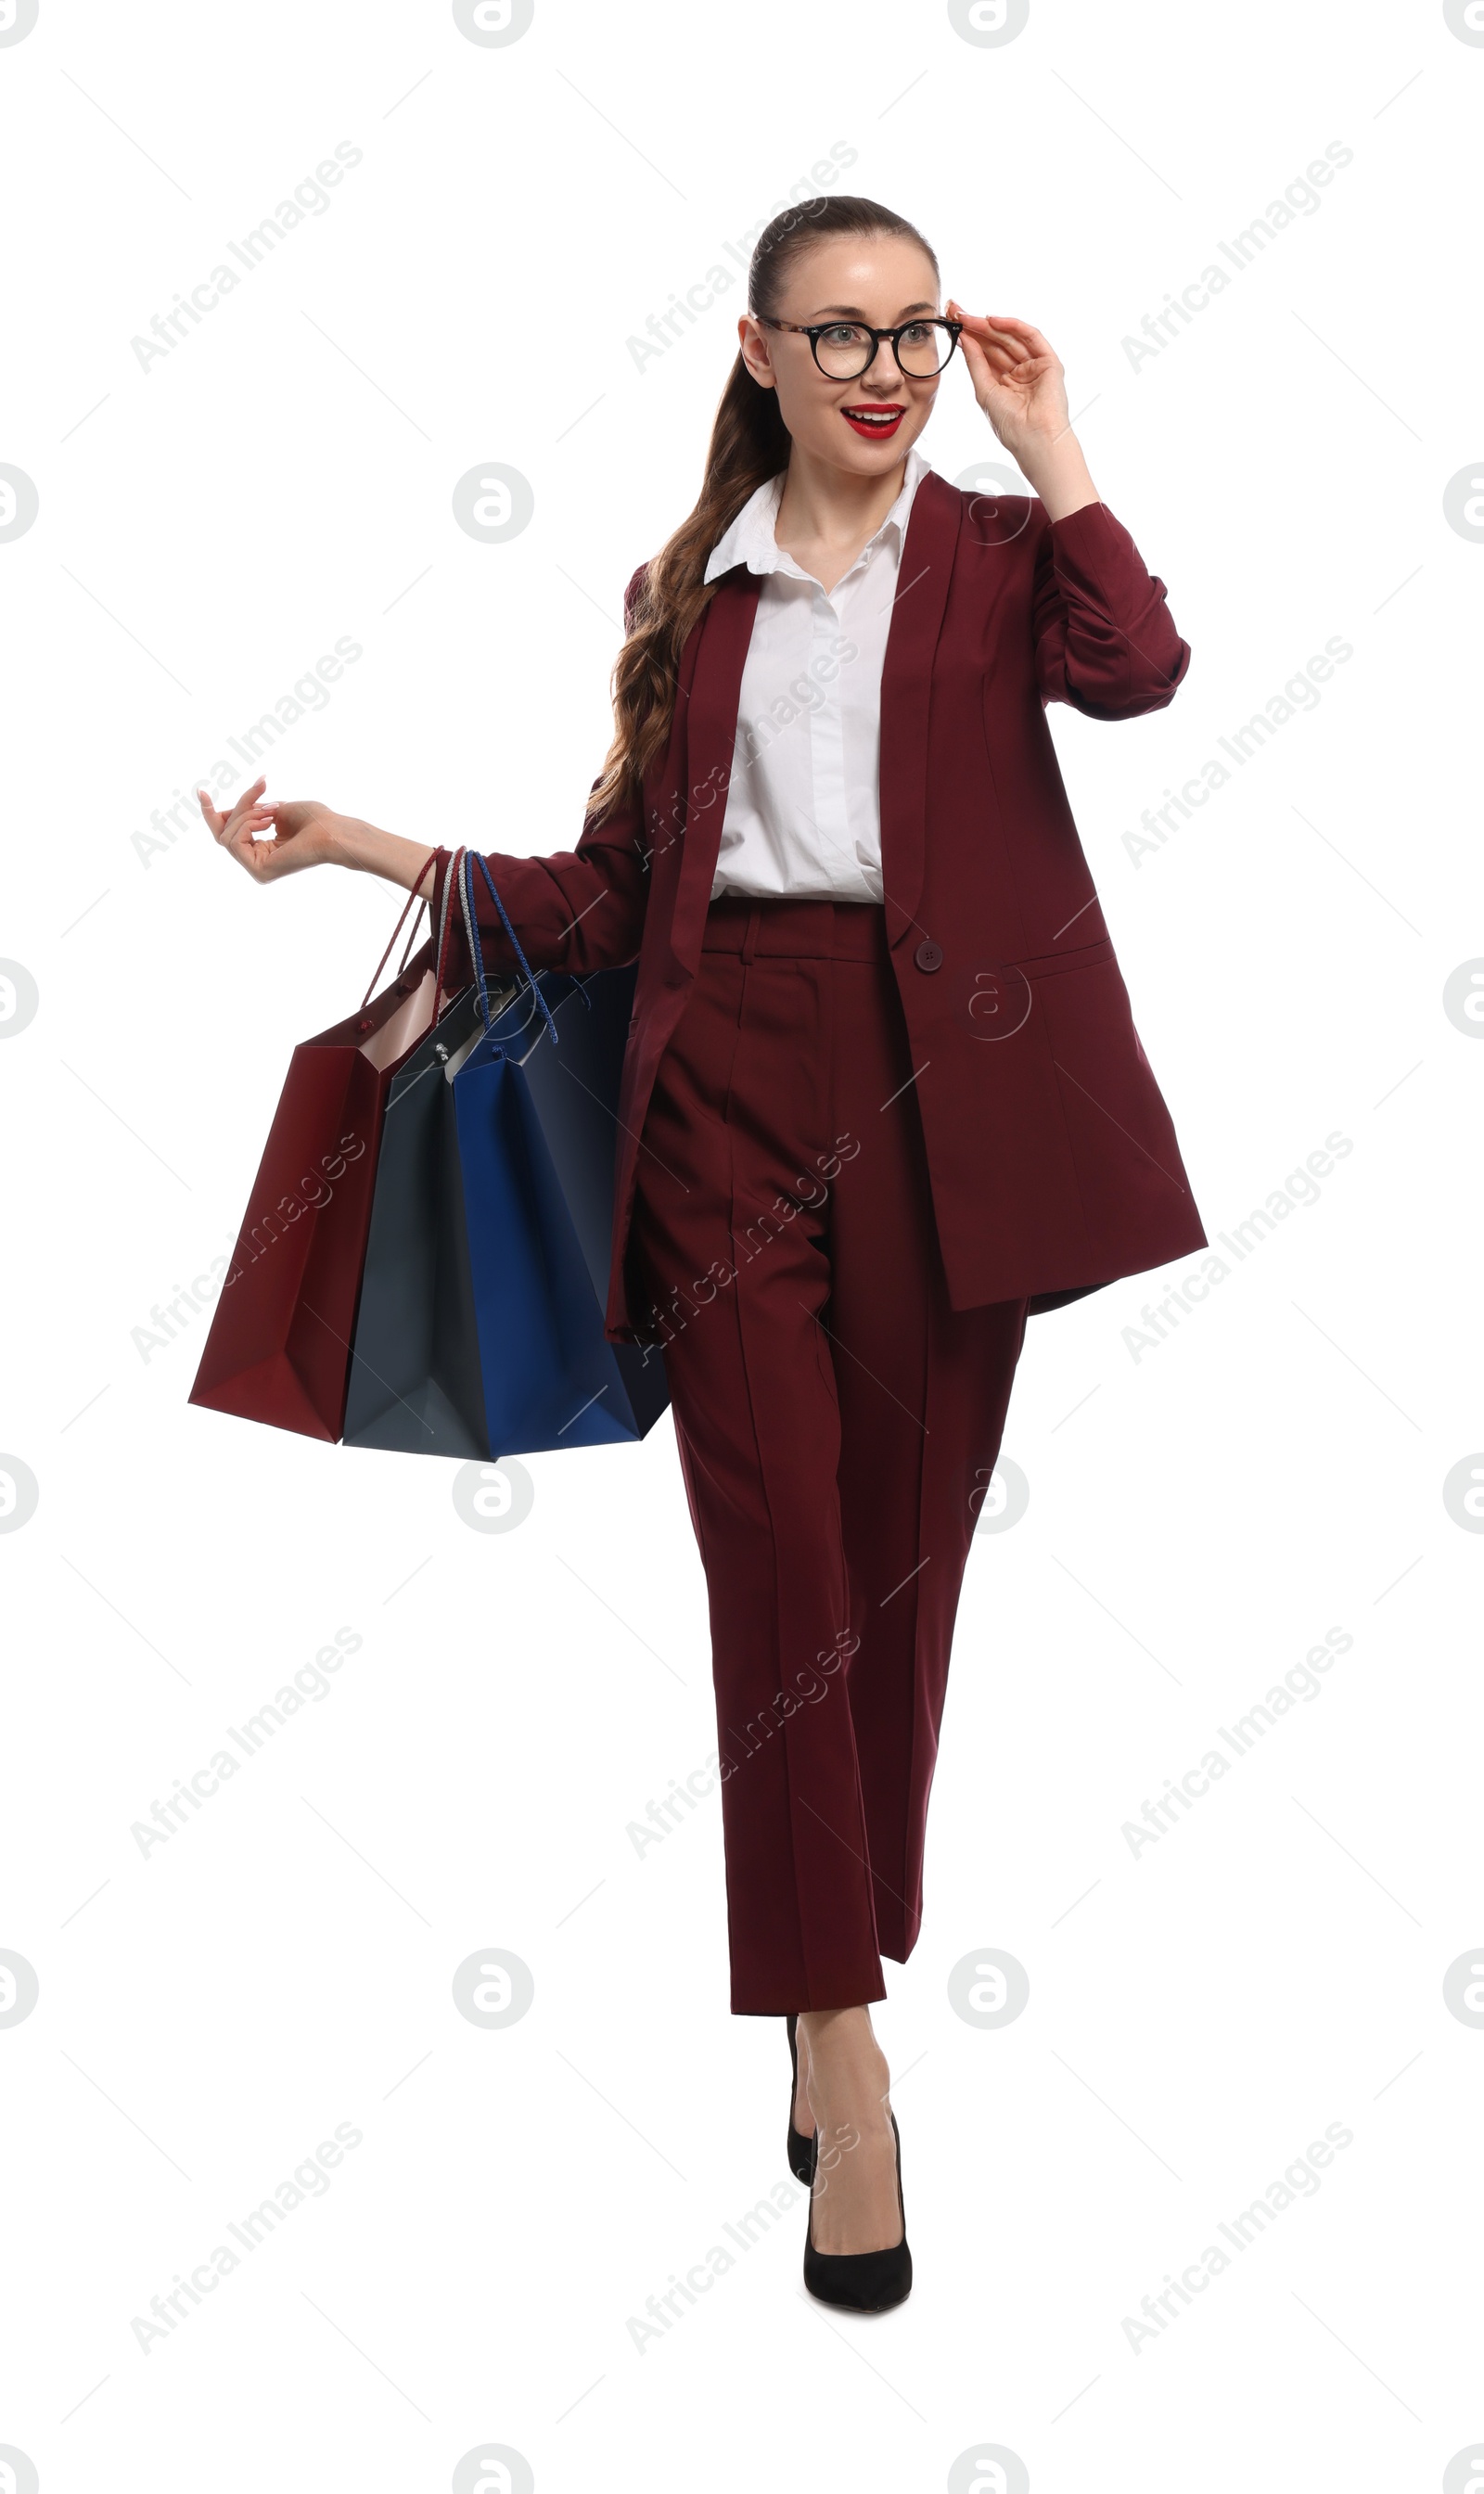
(581, 909)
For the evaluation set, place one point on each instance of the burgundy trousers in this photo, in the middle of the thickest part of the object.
(837, 1425)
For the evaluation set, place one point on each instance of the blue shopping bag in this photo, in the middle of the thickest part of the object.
(480, 1329)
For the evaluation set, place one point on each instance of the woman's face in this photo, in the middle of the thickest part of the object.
(882, 280)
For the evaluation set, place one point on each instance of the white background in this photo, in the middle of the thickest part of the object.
(1199, 1515)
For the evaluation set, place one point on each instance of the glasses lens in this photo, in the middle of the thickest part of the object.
(924, 348)
(843, 350)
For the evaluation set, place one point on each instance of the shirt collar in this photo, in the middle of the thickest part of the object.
(750, 538)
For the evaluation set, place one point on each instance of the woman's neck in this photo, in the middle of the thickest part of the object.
(826, 515)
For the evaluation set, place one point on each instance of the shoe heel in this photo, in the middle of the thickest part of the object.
(802, 2145)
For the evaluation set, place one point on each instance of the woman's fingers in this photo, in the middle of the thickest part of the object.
(986, 324)
(294, 815)
(218, 823)
(978, 340)
(994, 377)
(302, 827)
(1012, 353)
(215, 823)
(236, 830)
(1007, 340)
(1035, 343)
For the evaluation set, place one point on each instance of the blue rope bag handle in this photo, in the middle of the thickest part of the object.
(470, 858)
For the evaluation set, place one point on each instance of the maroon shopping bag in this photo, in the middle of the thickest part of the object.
(279, 1347)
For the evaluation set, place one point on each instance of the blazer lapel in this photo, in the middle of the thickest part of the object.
(916, 620)
(724, 633)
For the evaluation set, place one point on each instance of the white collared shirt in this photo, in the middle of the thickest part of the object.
(802, 816)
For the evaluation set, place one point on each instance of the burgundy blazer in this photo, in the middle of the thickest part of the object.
(1053, 1160)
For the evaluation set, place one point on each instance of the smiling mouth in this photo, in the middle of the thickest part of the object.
(875, 423)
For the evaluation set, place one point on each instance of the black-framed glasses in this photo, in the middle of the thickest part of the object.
(844, 349)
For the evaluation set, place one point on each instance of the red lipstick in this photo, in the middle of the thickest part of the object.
(874, 423)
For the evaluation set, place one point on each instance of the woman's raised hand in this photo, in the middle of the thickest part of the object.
(1019, 384)
(304, 832)
(1018, 380)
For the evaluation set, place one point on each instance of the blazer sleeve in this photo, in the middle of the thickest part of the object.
(578, 910)
(1106, 641)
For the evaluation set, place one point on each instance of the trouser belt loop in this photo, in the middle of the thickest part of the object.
(749, 938)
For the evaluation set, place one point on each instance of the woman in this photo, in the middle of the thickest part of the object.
(882, 1096)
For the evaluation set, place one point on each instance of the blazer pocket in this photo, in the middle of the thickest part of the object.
(1075, 956)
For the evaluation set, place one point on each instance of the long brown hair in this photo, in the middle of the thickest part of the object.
(749, 444)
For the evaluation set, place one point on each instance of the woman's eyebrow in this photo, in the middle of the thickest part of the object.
(853, 312)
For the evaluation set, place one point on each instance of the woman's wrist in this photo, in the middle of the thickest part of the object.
(368, 850)
(1059, 475)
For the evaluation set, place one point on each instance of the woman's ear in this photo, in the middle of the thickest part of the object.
(753, 341)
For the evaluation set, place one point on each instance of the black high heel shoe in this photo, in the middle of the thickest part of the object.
(860, 2281)
(802, 2145)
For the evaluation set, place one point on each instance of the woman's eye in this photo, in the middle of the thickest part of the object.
(844, 334)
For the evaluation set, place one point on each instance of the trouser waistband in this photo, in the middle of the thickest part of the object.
(851, 930)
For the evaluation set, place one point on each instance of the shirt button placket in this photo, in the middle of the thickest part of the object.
(827, 743)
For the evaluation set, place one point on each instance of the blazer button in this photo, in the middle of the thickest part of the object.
(928, 954)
